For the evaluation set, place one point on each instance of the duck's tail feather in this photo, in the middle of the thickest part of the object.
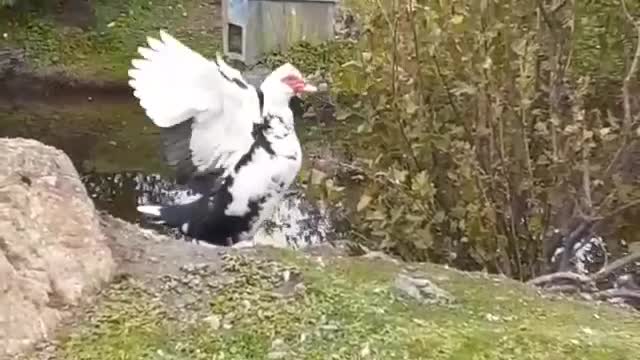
(175, 215)
(152, 213)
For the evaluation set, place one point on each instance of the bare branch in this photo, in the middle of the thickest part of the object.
(564, 289)
(618, 264)
(558, 6)
(586, 178)
(625, 294)
(559, 276)
(619, 210)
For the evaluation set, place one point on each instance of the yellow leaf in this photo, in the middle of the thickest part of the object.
(352, 63)
(364, 202)
(457, 19)
(342, 115)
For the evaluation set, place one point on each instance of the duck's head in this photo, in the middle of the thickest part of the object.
(286, 82)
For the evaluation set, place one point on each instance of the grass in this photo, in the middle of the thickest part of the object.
(104, 53)
(349, 311)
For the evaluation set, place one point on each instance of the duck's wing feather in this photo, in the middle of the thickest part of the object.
(205, 108)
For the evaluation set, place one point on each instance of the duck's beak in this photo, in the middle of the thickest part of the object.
(304, 87)
(309, 88)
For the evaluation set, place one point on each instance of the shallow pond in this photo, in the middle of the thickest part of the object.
(116, 150)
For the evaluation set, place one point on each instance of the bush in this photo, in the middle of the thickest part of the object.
(481, 127)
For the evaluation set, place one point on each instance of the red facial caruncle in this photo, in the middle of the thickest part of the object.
(295, 83)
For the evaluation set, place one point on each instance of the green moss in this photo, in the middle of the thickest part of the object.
(348, 310)
(130, 325)
(104, 53)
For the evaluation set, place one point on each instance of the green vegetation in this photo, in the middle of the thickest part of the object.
(348, 310)
(105, 52)
(477, 127)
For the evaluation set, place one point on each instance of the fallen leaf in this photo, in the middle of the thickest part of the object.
(364, 202)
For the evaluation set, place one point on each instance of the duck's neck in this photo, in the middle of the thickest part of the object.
(275, 99)
(276, 113)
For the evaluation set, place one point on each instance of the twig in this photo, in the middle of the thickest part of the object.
(394, 89)
(619, 210)
(444, 83)
(547, 19)
(420, 88)
(616, 156)
(586, 178)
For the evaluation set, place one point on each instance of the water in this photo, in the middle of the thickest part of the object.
(296, 223)
(116, 150)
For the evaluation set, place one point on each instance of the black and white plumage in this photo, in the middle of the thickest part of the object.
(233, 144)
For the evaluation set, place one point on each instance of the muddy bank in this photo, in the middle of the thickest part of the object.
(29, 87)
(21, 86)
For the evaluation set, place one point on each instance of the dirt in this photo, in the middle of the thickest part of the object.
(151, 257)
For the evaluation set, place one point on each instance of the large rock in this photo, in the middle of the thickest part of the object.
(52, 251)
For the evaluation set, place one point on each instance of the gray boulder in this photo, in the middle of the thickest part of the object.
(52, 251)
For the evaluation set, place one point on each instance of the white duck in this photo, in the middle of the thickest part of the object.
(232, 143)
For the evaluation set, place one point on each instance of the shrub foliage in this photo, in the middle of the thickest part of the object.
(479, 127)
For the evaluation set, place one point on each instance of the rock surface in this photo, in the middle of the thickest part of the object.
(52, 251)
(421, 289)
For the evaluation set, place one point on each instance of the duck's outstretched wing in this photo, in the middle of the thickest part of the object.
(206, 108)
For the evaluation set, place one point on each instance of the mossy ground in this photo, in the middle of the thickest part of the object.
(104, 53)
(348, 310)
